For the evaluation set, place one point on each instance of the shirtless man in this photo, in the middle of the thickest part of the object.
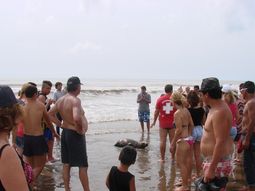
(35, 146)
(75, 125)
(248, 125)
(165, 112)
(45, 90)
(216, 143)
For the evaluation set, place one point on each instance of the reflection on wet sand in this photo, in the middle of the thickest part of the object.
(150, 174)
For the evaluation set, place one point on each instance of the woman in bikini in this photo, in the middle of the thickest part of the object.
(10, 164)
(183, 141)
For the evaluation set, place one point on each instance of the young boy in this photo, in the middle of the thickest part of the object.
(119, 178)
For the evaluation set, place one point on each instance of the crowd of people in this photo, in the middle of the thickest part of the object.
(210, 123)
(213, 125)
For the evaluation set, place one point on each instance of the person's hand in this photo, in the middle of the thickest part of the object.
(172, 148)
(208, 175)
(50, 101)
(153, 124)
(57, 136)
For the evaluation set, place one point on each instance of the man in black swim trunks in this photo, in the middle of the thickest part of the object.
(75, 125)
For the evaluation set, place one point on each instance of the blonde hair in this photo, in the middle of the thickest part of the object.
(231, 97)
(178, 98)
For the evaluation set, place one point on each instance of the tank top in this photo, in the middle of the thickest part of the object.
(1, 150)
(119, 181)
(197, 115)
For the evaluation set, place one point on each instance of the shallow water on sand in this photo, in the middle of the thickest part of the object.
(150, 174)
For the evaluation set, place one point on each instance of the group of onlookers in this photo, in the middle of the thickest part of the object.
(202, 123)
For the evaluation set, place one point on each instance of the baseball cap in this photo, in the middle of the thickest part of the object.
(226, 88)
(210, 84)
(73, 81)
(7, 97)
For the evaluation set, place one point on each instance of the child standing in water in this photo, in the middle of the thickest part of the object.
(119, 178)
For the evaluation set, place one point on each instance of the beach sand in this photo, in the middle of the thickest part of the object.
(150, 174)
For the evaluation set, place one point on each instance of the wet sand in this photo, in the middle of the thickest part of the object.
(150, 174)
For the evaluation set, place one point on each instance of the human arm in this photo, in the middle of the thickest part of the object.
(132, 184)
(53, 115)
(156, 114)
(250, 124)
(79, 118)
(49, 124)
(11, 172)
(178, 131)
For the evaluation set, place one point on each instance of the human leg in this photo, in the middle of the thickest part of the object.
(163, 136)
(66, 176)
(38, 165)
(171, 136)
(183, 158)
(142, 125)
(249, 166)
(197, 156)
(83, 175)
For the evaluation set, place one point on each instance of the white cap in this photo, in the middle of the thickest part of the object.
(226, 88)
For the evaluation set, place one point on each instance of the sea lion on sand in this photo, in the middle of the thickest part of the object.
(131, 142)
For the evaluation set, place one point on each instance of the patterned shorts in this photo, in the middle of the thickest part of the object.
(223, 169)
(144, 116)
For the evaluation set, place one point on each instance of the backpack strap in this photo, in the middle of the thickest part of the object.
(2, 148)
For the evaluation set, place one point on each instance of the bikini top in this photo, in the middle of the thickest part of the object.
(1, 150)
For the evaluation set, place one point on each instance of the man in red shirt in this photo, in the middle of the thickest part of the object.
(165, 111)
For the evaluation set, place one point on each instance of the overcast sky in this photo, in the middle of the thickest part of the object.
(137, 39)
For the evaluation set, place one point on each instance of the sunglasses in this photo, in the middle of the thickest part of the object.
(243, 90)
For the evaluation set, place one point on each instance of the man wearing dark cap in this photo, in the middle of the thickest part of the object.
(248, 126)
(165, 111)
(75, 125)
(216, 143)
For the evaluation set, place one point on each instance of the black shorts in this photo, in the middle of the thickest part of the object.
(73, 148)
(34, 145)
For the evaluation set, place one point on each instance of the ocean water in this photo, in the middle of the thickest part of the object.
(111, 109)
(115, 100)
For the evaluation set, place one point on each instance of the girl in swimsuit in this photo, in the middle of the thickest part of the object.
(182, 140)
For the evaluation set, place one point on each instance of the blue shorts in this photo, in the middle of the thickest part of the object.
(233, 133)
(197, 133)
(249, 162)
(48, 134)
(144, 116)
(19, 142)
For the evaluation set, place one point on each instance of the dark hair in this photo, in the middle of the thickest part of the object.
(32, 83)
(214, 93)
(128, 155)
(57, 84)
(46, 82)
(8, 116)
(193, 98)
(30, 91)
(250, 87)
(168, 88)
(72, 88)
(143, 88)
(196, 87)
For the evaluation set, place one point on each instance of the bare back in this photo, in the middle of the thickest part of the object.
(217, 129)
(33, 115)
(183, 122)
(71, 111)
